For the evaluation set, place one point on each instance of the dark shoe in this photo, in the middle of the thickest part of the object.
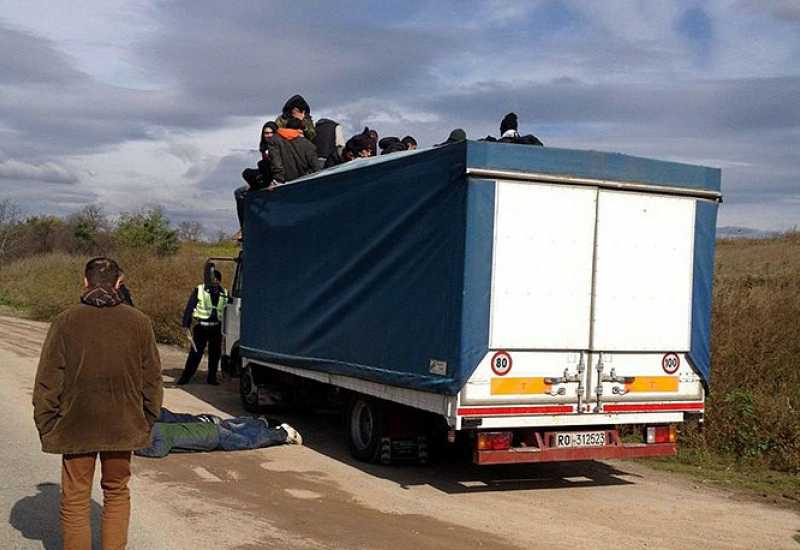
(181, 382)
(214, 382)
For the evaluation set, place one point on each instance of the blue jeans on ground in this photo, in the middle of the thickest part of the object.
(244, 432)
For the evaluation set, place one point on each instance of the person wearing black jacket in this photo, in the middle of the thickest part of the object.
(291, 155)
(509, 132)
(256, 178)
(206, 306)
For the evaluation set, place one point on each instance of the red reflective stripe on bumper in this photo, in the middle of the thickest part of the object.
(633, 407)
(518, 456)
(514, 411)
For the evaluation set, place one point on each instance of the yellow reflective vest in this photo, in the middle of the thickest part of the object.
(204, 307)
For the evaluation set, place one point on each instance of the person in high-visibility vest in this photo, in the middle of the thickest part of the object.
(206, 306)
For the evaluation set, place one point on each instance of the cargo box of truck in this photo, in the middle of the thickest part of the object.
(536, 297)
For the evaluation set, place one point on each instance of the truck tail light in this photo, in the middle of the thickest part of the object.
(494, 441)
(661, 434)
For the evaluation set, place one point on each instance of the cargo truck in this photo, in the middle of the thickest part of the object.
(534, 301)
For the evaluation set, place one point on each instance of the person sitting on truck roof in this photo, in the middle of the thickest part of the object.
(455, 136)
(297, 107)
(255, 178)
(206, 306)
(207, 432)
(409, 142)
(291, 155)
(348, 153)
(509, 132)
(330, 138)
(390, 145)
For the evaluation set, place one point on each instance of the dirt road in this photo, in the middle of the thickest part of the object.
(316, 496)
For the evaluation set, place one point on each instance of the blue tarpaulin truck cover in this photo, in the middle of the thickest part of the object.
(380, 269)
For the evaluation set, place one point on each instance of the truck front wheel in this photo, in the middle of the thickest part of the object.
(366, 428)
(248, 390)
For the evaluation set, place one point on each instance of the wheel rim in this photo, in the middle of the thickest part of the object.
(362, 425)
(247, 387)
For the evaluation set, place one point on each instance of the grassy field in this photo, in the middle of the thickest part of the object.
(752, 421)
(39, 287)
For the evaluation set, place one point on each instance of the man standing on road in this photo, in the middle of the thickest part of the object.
(206, 305)
(97, 391)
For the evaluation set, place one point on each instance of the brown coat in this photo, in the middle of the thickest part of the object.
(98, 386)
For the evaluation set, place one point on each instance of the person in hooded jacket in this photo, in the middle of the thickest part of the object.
(330, 138)
(291, 155)
(297, 107)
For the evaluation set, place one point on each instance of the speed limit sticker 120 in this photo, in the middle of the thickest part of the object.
(501, 363)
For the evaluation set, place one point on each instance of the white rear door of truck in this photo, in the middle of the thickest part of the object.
(541, 295)
(641, 325)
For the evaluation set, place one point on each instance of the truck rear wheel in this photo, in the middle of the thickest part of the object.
(366, 428)
(248, 390)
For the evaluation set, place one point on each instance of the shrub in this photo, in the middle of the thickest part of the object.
(148, 230)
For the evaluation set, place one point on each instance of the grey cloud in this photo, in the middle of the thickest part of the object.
(725, 106)
(30, 59)
(47, 172)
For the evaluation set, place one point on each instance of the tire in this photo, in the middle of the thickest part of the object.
(365, 428)
(248, 391)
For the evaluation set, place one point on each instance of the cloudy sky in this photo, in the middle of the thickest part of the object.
(134, 103)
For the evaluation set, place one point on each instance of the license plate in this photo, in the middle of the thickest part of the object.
(580, 439)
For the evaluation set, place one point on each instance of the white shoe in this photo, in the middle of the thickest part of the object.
(293, 437)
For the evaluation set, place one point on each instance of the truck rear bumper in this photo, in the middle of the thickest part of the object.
(520, 455)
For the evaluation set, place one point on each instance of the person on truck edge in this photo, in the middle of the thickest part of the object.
(291, 155)
(97, 391)
(297, 107)
(206, 306)
(509, 132)
(255, 178)
(329, 139)
(409, 142)
(454, 137)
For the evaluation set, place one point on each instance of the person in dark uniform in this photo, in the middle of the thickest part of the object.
(206, 306)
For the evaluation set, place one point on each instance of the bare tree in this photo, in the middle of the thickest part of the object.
(190, 231)
(9, 218)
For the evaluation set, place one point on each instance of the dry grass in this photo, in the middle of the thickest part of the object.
(42, 286)
(753, 412)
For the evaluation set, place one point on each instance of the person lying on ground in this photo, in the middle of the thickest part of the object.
(297, 107)
(291, 155)
(183, 432)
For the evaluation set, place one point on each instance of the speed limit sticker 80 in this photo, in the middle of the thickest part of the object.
(501, 363)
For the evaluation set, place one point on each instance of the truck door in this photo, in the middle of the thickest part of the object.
(642, 300)
(233, 310)
(541, 296)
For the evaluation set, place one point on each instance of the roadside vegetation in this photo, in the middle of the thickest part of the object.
(751, 434)
(41, 264)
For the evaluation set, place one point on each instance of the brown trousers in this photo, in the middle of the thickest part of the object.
(77, 475)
